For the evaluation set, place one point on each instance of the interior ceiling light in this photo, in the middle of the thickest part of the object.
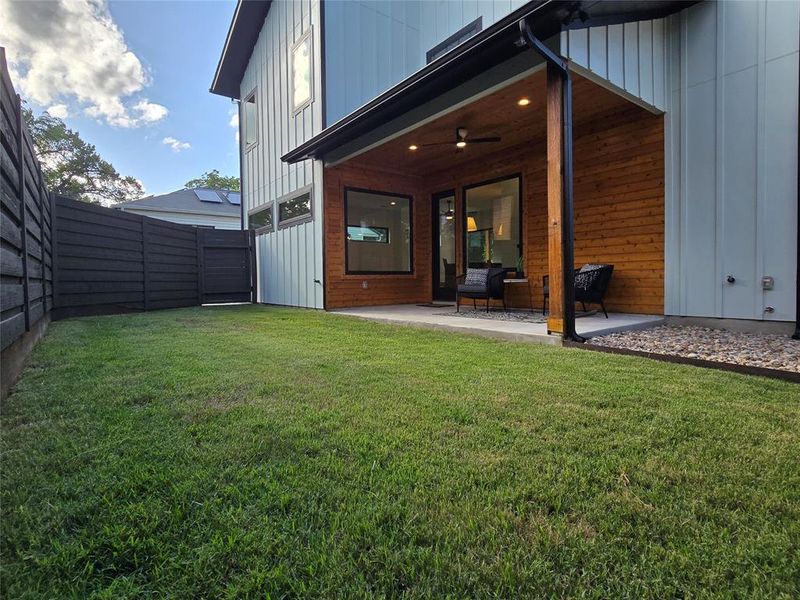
(461, 140)
(449, 214)
(413, 147)
(523, 101)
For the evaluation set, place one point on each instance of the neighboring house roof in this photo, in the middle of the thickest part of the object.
(223, 204)
(242, 36)
(484, 50)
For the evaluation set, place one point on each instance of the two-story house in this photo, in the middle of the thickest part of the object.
(388, 146)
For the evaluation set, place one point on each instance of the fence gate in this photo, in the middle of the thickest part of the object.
(227, 266)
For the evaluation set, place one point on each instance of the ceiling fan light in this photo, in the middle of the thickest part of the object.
(461, 144)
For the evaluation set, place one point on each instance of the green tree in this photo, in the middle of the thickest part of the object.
(72, 167)
(213, 180)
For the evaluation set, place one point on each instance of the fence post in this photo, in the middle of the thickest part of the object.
(53, 250)
(145, 266)
(251, 248)
(23, 216)
(200, 266)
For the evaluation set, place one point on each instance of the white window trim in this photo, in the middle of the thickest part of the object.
(243, 120)
(307, 35)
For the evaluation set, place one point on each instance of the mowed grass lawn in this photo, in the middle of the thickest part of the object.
(265, 452)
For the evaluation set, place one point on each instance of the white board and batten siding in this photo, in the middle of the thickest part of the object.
(372, 45)
(629, 59)
(289, 260)
(731, 153)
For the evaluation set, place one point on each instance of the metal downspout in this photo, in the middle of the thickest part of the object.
(567, 222)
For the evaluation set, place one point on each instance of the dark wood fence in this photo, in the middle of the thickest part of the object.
(109, 261)
(26, 248)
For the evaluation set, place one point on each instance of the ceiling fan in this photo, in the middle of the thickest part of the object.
(461, 139)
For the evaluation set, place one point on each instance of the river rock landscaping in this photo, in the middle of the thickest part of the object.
(771, 351)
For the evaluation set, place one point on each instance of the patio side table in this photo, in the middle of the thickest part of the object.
(521, 281)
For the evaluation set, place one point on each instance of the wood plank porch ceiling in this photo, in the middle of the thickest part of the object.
(497, 114)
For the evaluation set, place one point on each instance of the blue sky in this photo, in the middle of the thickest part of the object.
(177, 45)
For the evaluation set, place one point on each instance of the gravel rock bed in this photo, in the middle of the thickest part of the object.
(755, 350)
(497, 315)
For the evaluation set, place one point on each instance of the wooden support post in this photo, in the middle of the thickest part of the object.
(555, 203)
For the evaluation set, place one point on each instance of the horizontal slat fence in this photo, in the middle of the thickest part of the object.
(26, 246)
(109, 261)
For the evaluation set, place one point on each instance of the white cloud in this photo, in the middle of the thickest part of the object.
(176, 145)
(72, 49)
(234, 122)
(151, 112)
(59, 111)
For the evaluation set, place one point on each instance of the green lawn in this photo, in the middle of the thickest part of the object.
(252, 451)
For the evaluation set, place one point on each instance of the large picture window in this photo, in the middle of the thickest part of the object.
(379, 232)
(493, 224)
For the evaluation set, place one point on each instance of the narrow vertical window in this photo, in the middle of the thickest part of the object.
(250, 120)
(301, 72)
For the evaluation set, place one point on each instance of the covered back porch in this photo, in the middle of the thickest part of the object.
(404, 218)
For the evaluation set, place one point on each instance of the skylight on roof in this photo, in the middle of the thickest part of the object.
(208, 196)
(235, 198)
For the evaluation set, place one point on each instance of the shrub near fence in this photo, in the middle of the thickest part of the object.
(26, 248)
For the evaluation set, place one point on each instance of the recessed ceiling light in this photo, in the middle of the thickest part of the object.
(461, 144)
(523, 101)
(392, 202)
(413, 147)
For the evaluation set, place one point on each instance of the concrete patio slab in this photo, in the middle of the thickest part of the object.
(434, 317)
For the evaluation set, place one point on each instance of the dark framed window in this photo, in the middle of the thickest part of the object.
(249, 118)
(261, 219)
(459, 37)
(384, 217)
(493, 223)
(295, 208)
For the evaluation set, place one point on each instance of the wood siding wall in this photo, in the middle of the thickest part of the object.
(343, 290)
(619, 215)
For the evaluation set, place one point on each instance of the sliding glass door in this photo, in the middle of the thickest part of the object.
(493, 224)
(444, 246)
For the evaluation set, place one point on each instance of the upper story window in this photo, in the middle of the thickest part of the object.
(301, 72)
(249, 119)
(460, 36)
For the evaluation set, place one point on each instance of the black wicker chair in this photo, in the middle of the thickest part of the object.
(481, 284)
(591, 284)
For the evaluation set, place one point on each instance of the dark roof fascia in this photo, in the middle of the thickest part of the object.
(493, 45)
(246, 24)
